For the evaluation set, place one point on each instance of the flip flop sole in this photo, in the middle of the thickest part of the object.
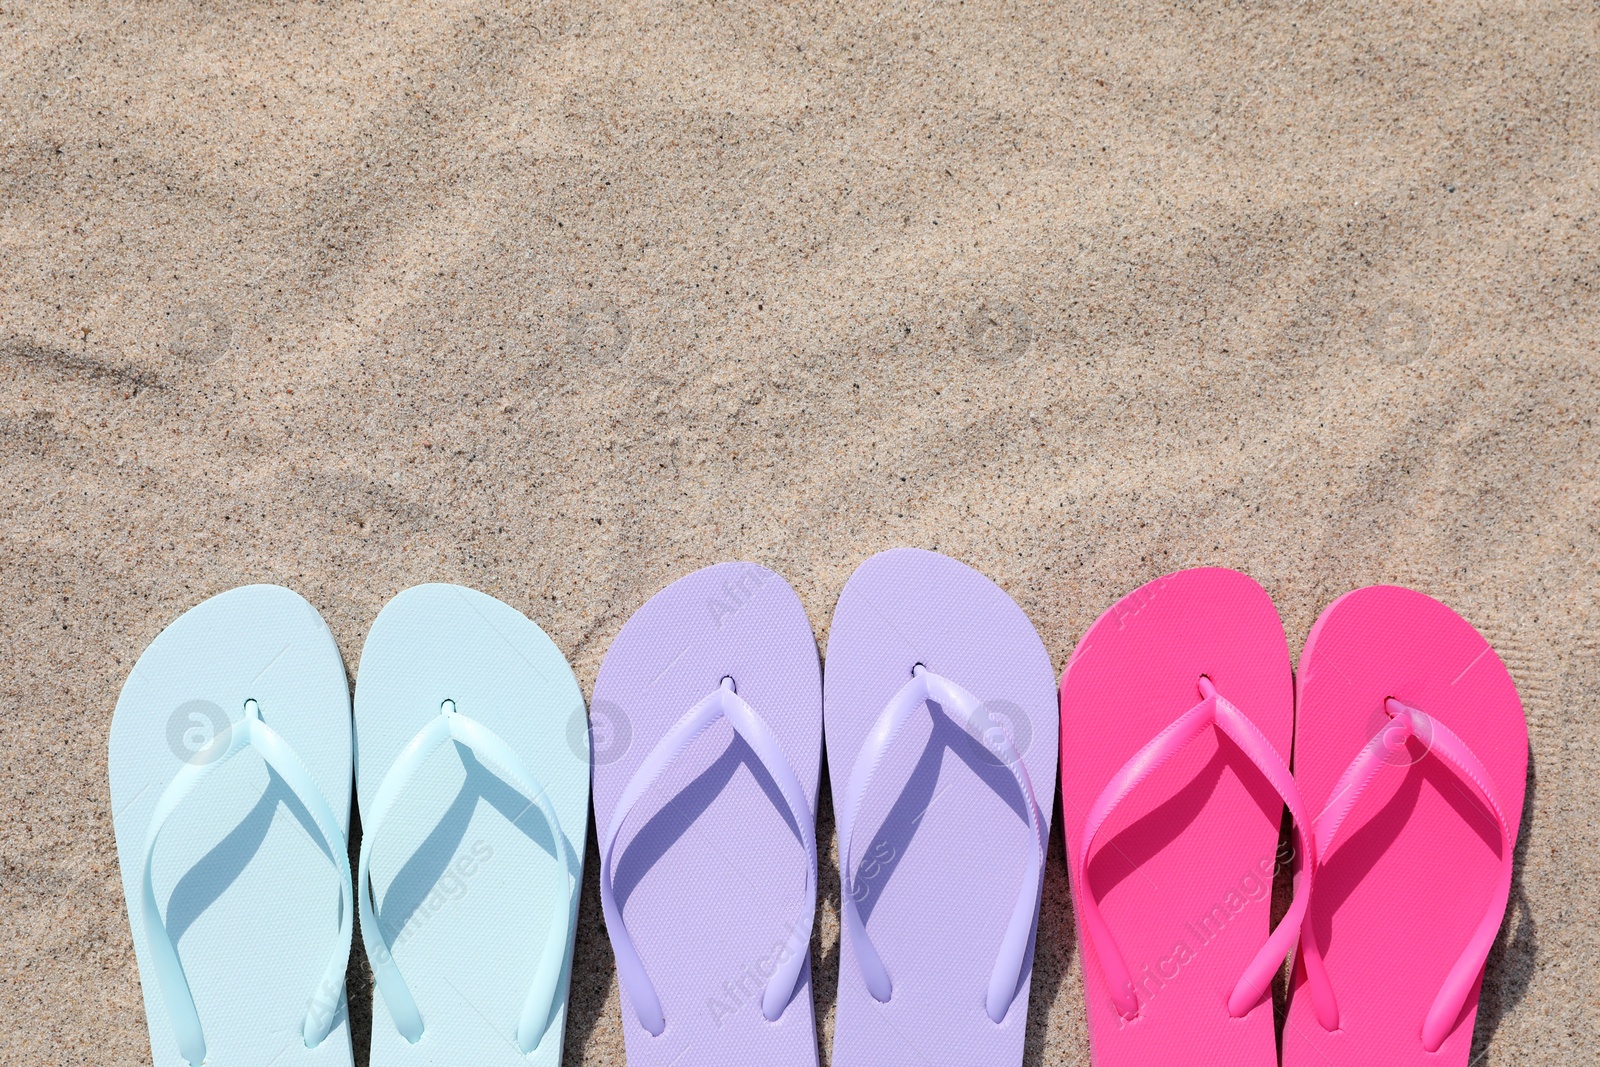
(944, 830)
(1413, 867)
(247, 892)
(1183, 868)
(709, 870)
(462, 865)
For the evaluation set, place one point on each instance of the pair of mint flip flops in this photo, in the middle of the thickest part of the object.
(236, 871)
(940, 717)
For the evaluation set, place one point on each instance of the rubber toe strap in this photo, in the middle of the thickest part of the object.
(1212, 710)
(962, 708)
(250, 732)
(720, 703)
(539, 1004)
(1408, 722)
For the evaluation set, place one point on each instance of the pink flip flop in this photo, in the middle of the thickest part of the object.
(1172, 826)
(1413, 750)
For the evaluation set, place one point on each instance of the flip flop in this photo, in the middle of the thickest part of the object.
(941, 725)
(705, 801)
(471, 854)
(1172, 826)
(246, 964)
(1413, 750)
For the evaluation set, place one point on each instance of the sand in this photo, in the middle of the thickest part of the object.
(562, 301)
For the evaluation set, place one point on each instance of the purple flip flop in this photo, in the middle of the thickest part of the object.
(942, 728)
(705, 801)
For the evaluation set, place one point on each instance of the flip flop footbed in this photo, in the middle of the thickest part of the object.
(709, 869)
(1413, 867)
(1182, 869)
(242, 877)
(941, 842)
(464, 870)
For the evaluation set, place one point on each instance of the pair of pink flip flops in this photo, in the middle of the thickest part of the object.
(1180, 720)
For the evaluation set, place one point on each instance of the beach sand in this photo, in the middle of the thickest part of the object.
(563, 301)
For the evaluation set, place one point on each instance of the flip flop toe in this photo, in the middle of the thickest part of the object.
(705, 802)
(230, 786)
(1412, 748)
(1177, 717)
(474, 792)
(941, 726)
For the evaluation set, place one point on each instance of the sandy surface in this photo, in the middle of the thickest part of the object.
(563, 301)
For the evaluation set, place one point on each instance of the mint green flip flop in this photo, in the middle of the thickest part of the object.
(230, 791)
(471, 853)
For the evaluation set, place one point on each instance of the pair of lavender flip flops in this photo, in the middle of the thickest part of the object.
(940, 716)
